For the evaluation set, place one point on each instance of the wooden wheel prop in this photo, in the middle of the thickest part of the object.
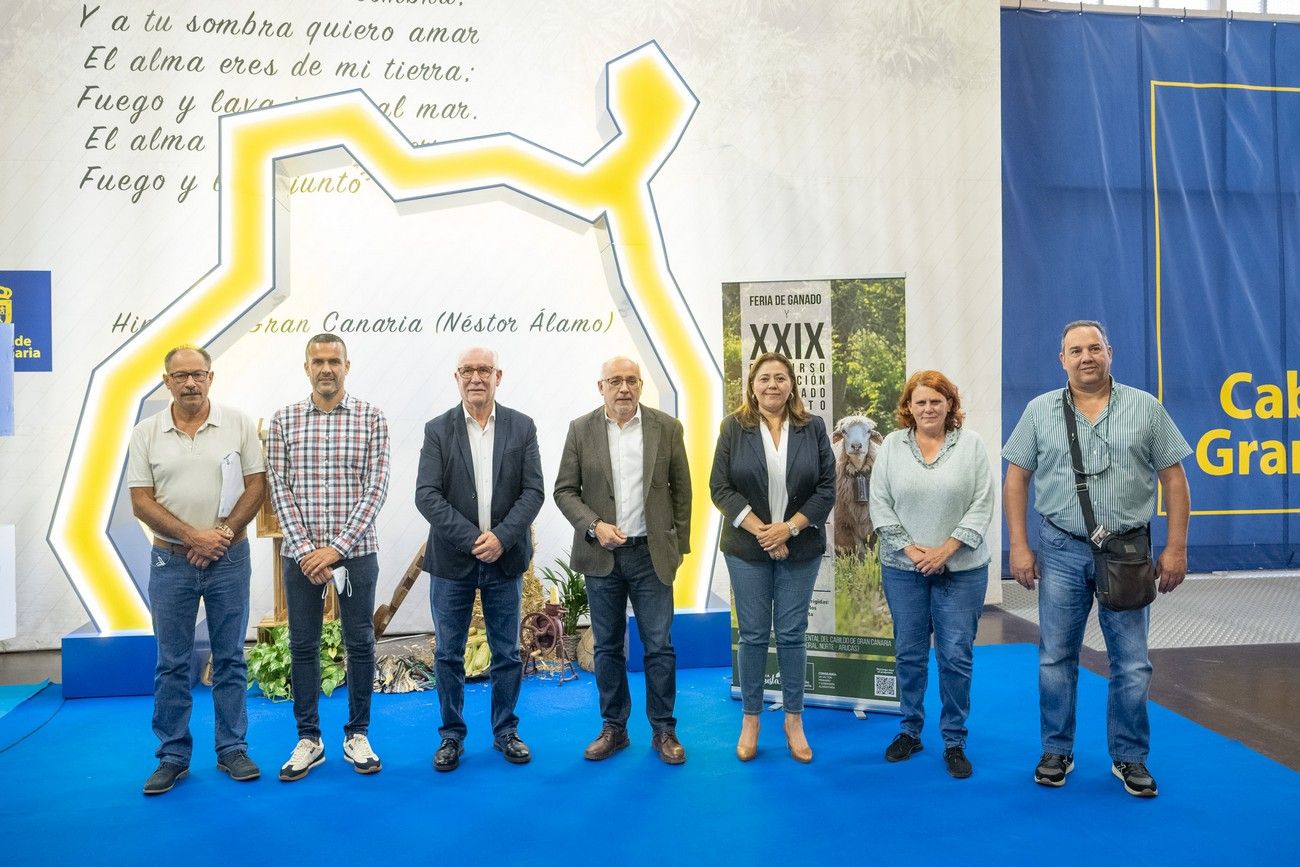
(541, 638)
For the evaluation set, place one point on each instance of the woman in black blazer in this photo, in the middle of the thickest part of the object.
(774, 480)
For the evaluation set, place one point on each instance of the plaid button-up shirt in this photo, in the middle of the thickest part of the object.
(328, 473)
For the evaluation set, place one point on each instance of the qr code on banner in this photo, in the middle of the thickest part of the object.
(886, 686)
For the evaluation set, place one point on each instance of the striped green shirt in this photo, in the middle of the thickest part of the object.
(1132, 440)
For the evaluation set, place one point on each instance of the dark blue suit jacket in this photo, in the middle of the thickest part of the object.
(446, 496)
(739, 479)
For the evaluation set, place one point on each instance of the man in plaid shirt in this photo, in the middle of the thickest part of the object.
(327, 464)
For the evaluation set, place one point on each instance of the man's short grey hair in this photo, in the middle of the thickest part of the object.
(1085, 323)
(326, 337)
(167, 359)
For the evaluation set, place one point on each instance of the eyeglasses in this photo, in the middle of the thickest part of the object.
(620, 381)
(468, 373)
(197, 375)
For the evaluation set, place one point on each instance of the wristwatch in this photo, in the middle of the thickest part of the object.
(224, 529)
(794, 528)
(591, 530)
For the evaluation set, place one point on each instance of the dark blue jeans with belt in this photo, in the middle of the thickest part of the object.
(452, 600)
(634, 579)
(175, 588)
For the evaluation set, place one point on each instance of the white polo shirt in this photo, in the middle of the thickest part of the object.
(184, 471)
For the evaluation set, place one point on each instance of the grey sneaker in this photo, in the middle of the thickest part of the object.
(164, 778)
(357, 752)
(1052, 768)
(239, 766)
(1137, 779)
(307, 755)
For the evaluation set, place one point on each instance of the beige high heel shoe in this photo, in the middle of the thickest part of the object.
(747, 746)
(795, 740)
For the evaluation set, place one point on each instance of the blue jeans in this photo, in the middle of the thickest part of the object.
(175, 588)
(452, 600)
(652, 601)
(306, 611)
(1065, 597)
(772, 596)
(948, 606)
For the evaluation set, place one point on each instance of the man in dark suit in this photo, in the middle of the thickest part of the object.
(480, 487)
(625, 487)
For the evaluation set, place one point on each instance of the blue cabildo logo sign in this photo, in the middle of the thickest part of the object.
(25, 304)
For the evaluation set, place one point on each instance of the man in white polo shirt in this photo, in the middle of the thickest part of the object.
(197, 477)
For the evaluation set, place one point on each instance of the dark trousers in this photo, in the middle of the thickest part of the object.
(452, 600)
(633, 579)
(306, 610)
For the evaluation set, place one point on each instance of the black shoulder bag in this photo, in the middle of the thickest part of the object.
(1125, 575)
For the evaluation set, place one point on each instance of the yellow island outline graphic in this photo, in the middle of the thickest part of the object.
(650, 105)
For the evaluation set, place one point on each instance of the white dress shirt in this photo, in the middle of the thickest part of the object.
(626, 459)
(481, 442)
(777, 496)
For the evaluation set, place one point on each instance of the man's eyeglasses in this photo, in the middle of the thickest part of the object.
(181, 375)
(620, 381)
(468, 373)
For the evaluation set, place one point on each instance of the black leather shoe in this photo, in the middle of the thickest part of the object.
(610, 740)
(447, 757)
(514, 749)
(239, 766)
(902, 747)
(958, 765)
(164, 778)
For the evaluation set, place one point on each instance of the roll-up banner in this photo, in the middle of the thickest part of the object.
(846, 340)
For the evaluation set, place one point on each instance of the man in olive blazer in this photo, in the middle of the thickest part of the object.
(625, 487)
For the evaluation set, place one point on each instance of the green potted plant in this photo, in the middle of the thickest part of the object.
(572, 589)
(270, 662)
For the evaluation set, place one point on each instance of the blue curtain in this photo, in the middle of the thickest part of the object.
(1151, 179)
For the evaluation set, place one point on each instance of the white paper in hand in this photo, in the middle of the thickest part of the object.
(232, 484)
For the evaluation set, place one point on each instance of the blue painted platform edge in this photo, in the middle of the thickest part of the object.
(96, 665)
(702, 639)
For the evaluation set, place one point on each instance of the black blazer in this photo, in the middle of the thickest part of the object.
(446, 496)
(739, 479)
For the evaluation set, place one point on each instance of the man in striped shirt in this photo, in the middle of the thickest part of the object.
(1127, 440)
(327, 463)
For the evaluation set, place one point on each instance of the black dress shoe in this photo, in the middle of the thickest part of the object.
(958, 765)
(163, 779)
(447, 758)
(902, 747)
(514, 749)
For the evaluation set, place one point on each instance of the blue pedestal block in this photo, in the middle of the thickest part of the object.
(96, 665)
(702, 639)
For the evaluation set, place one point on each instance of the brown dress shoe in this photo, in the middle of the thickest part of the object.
(610, 740)
(665, 743)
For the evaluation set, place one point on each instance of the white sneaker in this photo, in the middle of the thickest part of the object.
(357, 751)
(307, 755)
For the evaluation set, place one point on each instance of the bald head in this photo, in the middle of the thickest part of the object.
(622, 364)
(476, 355)
(620, 386)
(477, 375)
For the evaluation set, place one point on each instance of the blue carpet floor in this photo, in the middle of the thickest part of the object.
(13, 695)
(70, 777)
